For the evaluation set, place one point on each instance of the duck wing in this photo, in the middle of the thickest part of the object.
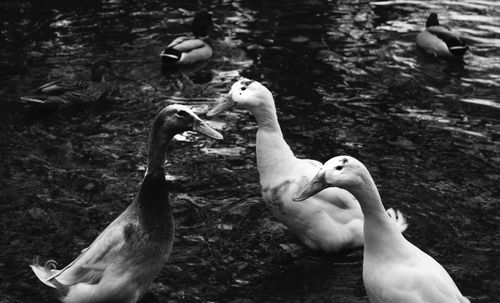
(189, 45)
(416, 278)
(60, 87)
(451, 38)
(412, 286)
(178, 40)
(106, 249)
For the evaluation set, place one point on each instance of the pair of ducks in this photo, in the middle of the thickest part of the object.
(336, 206)
(182, 51)
(437, 40)
(341, 208)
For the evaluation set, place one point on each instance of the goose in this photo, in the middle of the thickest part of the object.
(190, 50)
(332, 220)
(394, 270)
(70, 92)
(440, 41)
(123, 260)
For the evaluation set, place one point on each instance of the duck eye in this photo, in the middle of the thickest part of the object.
(243, 88)
(338, 167)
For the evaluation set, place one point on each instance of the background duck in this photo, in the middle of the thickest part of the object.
(66, 92)
(440, 41)
(123, 260)
(332, 220)
(190, 50)
(394, 270)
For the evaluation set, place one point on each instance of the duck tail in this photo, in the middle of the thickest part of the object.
(398, 218)
(50, 88)
(455, 45)
(458, 50)
(46, 272)
(170, 56)
(32, 99)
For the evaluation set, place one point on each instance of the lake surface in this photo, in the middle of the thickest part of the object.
(347, 79)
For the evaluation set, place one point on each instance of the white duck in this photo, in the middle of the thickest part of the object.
(330, 221)
(394, 270)
(121, 263)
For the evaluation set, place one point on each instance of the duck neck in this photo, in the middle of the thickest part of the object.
(158, 142)
(380, 232)
(153, 194)
(272, 150)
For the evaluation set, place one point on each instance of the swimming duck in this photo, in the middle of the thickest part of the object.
(190, 50)
(440, 41)
(66, 92)
(123, 260)
(394, 270)
(332, 220)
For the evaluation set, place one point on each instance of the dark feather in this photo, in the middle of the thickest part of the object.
(432, 20)
(202, 23)
(170, 56)
(456, 46)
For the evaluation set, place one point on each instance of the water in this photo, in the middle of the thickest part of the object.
(347, 79)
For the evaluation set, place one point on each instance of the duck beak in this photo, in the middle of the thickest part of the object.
(202, 127)
(317, 184)
(226, 103)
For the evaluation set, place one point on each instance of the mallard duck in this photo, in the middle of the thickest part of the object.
(333, 220)
(440, 41)
(123, 260)
(66, 92)
(190, 50)
(394, 270)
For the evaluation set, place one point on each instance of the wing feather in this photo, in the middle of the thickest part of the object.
(189, 45)
(89, 266)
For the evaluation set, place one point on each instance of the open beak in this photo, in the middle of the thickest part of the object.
(226, 103)
(202, 127)
(317, 184)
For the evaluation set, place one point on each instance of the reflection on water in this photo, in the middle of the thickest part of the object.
(347, 78)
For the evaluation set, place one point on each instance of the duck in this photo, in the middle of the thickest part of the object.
(187, 50)
(440, 41)
(332, 220)
(122, 262)
(394, 270)
(71, 92)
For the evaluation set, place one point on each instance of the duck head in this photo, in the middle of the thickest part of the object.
(176, 118)
(432, 20)
(172, 120)
(343, 171)
(245, 93)
(99, 69)
(202, 24)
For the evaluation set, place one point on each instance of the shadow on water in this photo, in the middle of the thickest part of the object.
(347, 79)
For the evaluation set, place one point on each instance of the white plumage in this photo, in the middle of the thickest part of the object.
(331, 220)
(394, 270)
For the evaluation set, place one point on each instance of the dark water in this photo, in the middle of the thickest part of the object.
(347, 79)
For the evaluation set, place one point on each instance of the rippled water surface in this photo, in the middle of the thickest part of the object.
(347, 79)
